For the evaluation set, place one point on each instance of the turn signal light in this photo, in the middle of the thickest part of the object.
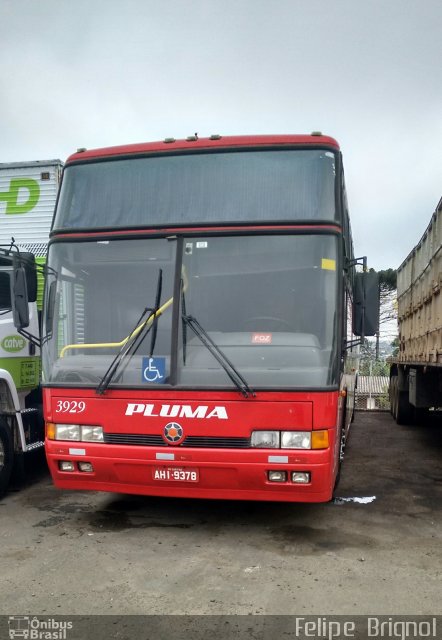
(50, 431)
(320, 439)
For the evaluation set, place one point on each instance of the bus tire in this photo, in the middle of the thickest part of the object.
(343, 440)
(6, 456)
(338, 477)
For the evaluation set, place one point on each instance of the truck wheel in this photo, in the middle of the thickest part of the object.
(393, 395)
(401, 409)
(6, 456)
(404, 410)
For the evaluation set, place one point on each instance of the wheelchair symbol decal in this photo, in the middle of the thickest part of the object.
(153, 370)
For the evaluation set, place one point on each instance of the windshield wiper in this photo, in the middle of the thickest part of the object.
(220, 356)
(183, 321)
(156, 314)
(136, 337)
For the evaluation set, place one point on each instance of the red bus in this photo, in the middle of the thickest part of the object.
(197, 333)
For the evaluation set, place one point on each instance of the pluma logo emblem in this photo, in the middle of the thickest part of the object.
(173, 433)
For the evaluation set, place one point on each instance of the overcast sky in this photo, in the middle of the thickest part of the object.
(103, 72)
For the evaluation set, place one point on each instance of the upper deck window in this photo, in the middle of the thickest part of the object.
(193, 188)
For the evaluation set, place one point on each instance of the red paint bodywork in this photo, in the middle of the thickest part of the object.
(224, 473)
(201, 144)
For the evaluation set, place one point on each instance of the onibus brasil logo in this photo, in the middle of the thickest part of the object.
(36, 629)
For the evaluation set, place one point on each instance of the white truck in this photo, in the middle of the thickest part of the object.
(416, 372)
(28, 192)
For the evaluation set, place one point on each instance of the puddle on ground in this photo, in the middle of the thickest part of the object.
(366, 500)
(118, 521)
(307, 540)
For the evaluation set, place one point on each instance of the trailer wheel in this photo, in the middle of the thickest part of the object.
(393, 395)
(6, 456)
(402, 410)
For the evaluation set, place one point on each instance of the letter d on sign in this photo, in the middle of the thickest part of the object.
(29, 188)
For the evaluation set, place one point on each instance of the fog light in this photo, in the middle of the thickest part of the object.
(301, 477)
(86, 467)
(66, 465)
(277, 476)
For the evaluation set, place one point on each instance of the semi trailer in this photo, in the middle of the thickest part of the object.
(416, 372)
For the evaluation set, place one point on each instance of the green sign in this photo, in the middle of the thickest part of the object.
(12, 344)
(13, 206)
(24, 371)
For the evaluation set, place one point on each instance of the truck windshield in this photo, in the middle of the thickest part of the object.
(267, 302)
(278, 185)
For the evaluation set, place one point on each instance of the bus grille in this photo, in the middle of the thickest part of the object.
(198, 442)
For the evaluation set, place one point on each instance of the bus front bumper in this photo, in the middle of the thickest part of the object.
(224, 474)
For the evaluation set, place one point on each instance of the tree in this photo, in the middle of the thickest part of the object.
(370, 365)
(388, 307)
(395, 346)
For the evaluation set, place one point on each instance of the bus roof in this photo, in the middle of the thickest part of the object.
(215, 141)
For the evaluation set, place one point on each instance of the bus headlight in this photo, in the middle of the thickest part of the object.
(296, 440)
(74, 432)
(91, 434)
(265, 439)
(67, 432)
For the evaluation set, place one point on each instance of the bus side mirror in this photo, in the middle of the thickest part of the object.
(19, 298)
(28, 263)
(366, 304)
(23, 287)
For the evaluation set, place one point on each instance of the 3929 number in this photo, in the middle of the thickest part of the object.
(70, 406)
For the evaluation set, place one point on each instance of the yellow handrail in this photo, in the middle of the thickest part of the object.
(135, 332)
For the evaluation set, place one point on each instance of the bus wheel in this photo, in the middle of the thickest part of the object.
(6, 456)
(342, 443)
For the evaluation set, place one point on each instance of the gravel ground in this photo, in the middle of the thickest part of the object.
(66, 553)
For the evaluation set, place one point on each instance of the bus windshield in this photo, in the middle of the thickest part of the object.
(216, 187)
(267, 302)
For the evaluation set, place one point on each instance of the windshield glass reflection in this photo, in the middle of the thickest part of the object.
(267, 304)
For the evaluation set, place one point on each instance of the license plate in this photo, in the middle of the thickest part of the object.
(175, 474)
